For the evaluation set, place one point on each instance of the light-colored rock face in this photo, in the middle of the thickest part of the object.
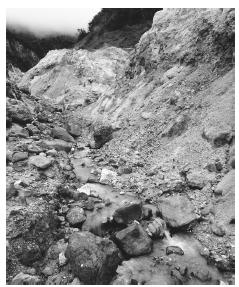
(75, 75)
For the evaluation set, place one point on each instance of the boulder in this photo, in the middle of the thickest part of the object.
(102, 134)
(93, 259)
(216, 136)
(33, 130)
(227, 184)
(19, 113)
(61, 133)
(18, 156)
(174, 250)
(133, 240)
(76, 216)
(177, 127)
(40, 161)
(128, 213)
(197, 179)
(18, 131)
(177, 211)
(108, 176)
(26, 279)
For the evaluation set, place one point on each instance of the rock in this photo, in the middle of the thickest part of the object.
(177, 127)
(93, 259)
(156, 229)
(26, 279)
(128, 213)
(51, 152)
(133, 240)
(62, 259)
(76, 217)
(108, 177)
(177, 211)
(48, 270)
(9, 155)
(198, 179)
(102, 134)
(217, 137)
(19, 156)
(33, 130)
(18, 131)
(227, 184)
(124, 170)
(40, 161)
(10, 191)
(61, 133)
(146, 115)
(218, 229)
(34, 148)
(19, 113)
(174, 250)
(147, 213)
(232, 157)
(58, 145)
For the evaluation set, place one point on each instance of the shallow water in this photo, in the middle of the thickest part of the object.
(156, 267)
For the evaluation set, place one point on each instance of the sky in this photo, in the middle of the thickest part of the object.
(47, 20)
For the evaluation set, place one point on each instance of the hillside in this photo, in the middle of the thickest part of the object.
(118, 27)
(25, 49)
(121, 162)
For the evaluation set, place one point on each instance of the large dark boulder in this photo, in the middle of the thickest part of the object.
(102, 134)
(134, 241)
(128, 213)
(93, 259)
(18, 112)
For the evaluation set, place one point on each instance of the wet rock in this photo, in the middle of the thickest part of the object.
(61, 133)
(57, 144)
(174, 250)
(102, 134)
(76, 217)
(26, 279)
(227, 184)
(128, 213)
(156, 229)
(177, 127)
(216, 136)
(108, 176)
(19, 156)
(40, 161)
(147, 213)
(93, 259)
(133, 240)
(81, 169)
(177, 211)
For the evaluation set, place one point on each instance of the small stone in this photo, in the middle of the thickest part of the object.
(174, 250)
(62, 259)
(108, 177)
(51, 152)
(218, 229)
(156, 229)
(76, 216)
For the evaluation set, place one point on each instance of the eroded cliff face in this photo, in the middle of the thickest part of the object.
(168, 110)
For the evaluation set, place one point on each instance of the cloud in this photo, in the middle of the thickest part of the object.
(49, 20)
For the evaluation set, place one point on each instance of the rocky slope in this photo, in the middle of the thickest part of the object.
(130, 145)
